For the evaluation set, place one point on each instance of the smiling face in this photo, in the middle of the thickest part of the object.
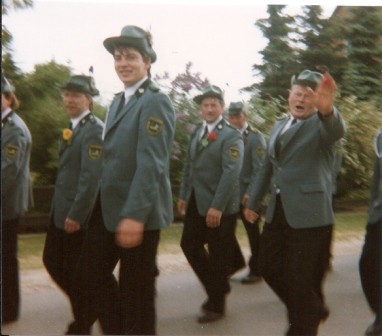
(130, 65)
(211, 109)
(301, 102)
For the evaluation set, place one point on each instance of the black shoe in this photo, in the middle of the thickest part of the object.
(207, 306)
(74, 330)
(7, 320)
(375, 329)
(251, 279)
(210, 316)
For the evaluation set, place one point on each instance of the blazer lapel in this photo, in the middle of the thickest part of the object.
(195, 146)
(113, 117)
(273, 138)
(289, 134)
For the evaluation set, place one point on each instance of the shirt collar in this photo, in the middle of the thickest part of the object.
(75, 121)
(211, 126)
(129, 91)
(242, 130)
(5, 113)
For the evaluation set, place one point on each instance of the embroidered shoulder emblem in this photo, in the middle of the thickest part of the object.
(95, 152)
(154, 126)
(234, 152)
(11, 151)
(260, 150)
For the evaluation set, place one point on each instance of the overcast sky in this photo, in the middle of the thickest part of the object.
(218, 37)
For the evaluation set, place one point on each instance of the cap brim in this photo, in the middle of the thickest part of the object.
(111, 42)
(198, 99)
(234, 112)
(78, 88)
(304, 82)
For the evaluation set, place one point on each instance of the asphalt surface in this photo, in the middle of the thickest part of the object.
(251, 309)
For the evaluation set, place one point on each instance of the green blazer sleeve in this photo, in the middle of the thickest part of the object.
(154, 143)
(89, 173)
(16, 188)
(80, 161)
(255, 148)
(375, 207)
(232, 160)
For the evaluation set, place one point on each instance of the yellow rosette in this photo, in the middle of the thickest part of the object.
(67, 134)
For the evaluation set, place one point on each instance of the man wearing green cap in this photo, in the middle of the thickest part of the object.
(134, 198)
(79, 168)
(209, 199)
(16, 196)
(254, 152)
(295, 242)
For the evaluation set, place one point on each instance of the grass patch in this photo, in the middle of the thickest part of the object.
(349, 225)
(30, 247)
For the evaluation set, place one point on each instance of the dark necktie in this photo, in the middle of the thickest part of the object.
(203, 138)
(280, 136)
(70, 125)
(121, 104)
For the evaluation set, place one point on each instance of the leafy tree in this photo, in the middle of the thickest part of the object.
(279, 57)
(363, 77)
(363, 119)
(41, 108)
(6, 36)
(320, 42)
(181, 90)
(262, 113)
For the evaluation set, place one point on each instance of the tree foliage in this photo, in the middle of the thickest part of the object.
(363, 119)
(279, 58)
(319, 42)
(181, 90)
(363, 76)
(6, 6)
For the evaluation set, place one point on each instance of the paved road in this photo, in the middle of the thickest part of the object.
(251, 309)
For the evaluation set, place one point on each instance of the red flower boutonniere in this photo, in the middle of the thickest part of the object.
(67, 135)
(212, 136)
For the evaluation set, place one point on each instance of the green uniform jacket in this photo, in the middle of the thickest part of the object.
(16, 187)
(138, 140)
(78, 173)
(254, 153)
(212, 171)
(375, 208)
(301, 171)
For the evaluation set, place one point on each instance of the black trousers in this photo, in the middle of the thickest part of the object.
(213, 264)
(253, 233)
(61, 255)
(293, 263)
(370, 268)
(10, 287)
(127, 307)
